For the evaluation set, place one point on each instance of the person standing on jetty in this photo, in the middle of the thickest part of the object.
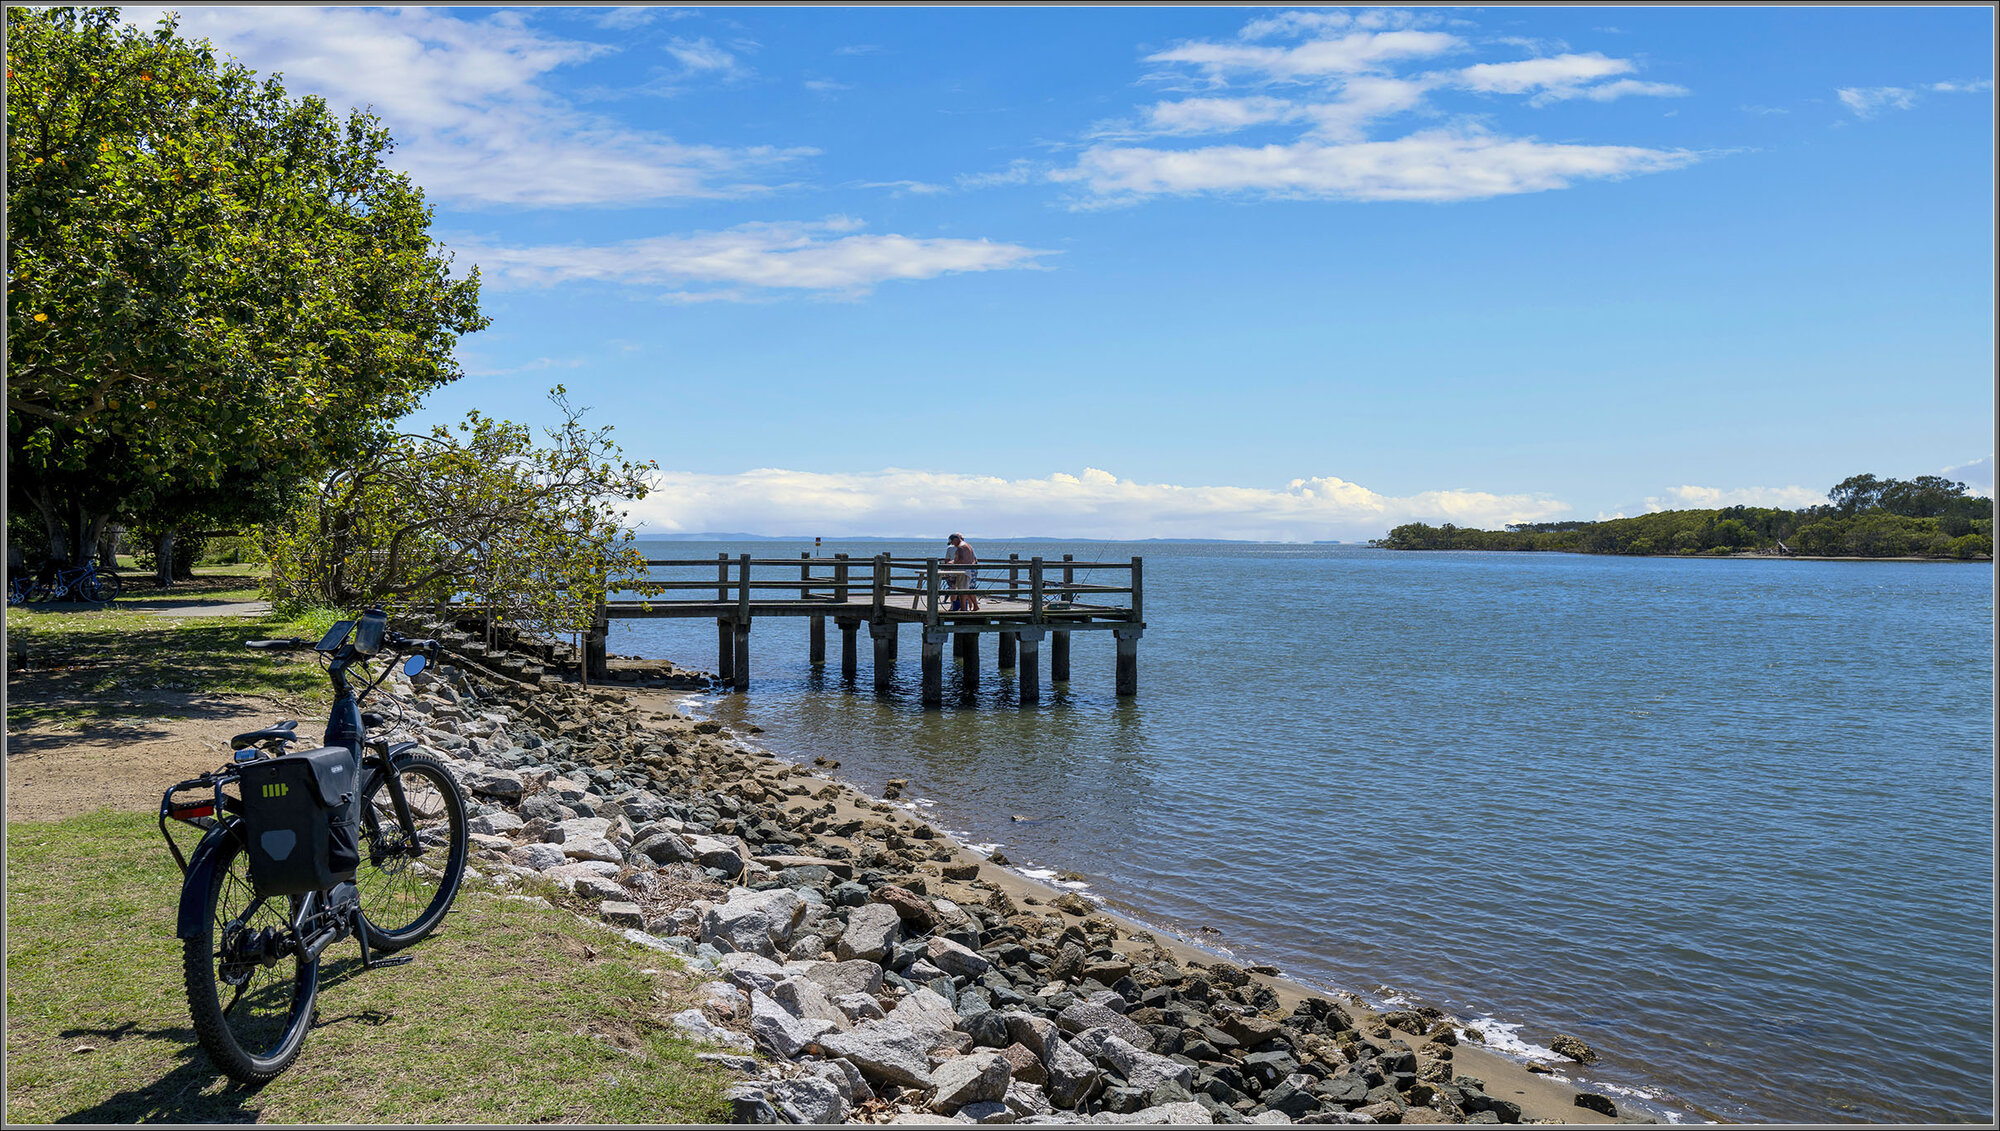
(960, 554)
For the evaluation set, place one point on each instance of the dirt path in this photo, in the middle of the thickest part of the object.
(58, 770)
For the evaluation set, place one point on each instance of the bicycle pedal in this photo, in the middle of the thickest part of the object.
(388, 960)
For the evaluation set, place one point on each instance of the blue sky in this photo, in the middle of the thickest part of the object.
(1221, 272)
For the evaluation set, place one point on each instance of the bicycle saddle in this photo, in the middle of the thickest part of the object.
(285, 731)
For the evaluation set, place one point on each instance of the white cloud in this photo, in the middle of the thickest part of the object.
(628, 17)
(1553, 73)
(1977, 475)
(1438, 165)
(1713, 498)
(827, 86)
(1093, 504)
(1354, 53)
(1334, 92)
(1018, 172)
(1216, 115)
(700, 57)
(831, 257)
(1866, 102)
(468, 103)
(898, 188)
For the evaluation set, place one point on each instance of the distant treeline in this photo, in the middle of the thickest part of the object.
(1867, 517)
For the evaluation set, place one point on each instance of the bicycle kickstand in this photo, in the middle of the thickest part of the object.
(368, 959)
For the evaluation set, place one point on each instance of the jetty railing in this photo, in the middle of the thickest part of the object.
(1018, 599)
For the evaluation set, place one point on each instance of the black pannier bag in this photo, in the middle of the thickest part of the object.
(301, 818)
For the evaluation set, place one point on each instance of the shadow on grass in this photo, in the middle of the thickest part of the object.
(181, 1096)
(104, 669)
(137, 719)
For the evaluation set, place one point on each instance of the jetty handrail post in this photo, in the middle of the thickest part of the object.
(1069, 578)
(725, 643)
(1138, 590)
(840, 579)
(1035, 590)
(879, 610)
(931, 581)
(1013, 575)
(816, 631)
(742, 672)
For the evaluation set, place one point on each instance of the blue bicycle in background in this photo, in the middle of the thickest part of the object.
(64, 583)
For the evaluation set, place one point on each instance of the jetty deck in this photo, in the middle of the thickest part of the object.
(1021, 602)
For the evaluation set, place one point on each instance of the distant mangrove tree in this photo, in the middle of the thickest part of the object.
(1865, 517)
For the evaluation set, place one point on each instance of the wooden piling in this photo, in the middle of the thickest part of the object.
(1006, 646)
(971, 656)
(1059, 657)
(742, 626)
(1128, 660)
(884, 634)
(848, 664)
(1030, 670)
(934, 667)
(741, 674)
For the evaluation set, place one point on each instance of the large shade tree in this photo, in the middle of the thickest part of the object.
(215, 290)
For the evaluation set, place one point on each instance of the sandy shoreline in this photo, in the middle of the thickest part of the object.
(1541, 1097)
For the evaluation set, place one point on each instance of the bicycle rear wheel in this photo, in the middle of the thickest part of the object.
(406, 885)
(102, 587)
(251, 1005)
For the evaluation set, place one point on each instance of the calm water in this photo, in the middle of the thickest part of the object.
(1731, 822)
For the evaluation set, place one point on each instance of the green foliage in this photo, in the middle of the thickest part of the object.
(215, 291)
(486, 517)
(1870, 517)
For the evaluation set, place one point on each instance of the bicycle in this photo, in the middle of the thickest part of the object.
(80, 582)
(298, 858)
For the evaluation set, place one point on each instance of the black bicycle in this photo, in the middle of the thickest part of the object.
(295, 856)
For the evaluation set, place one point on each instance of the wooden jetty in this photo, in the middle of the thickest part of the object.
(1021, 601)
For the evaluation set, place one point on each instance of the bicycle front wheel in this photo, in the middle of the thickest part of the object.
(251, 1003)
(102, 587)
(408, 883)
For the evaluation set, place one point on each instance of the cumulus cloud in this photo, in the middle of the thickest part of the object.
(829, 257)
(1092, 504)
(1437, 165)
(469, 103)
(1333, 92)
(1711, 498)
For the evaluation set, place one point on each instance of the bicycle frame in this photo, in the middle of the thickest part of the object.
(344, 727)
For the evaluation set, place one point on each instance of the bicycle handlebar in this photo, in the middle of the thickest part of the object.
(296, 643)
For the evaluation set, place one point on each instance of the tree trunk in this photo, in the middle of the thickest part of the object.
(164, 551)
(52, 522)
(107, 547)
(94, 544)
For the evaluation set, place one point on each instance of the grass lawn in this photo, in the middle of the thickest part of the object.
(74, 664)
(513, 1012)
